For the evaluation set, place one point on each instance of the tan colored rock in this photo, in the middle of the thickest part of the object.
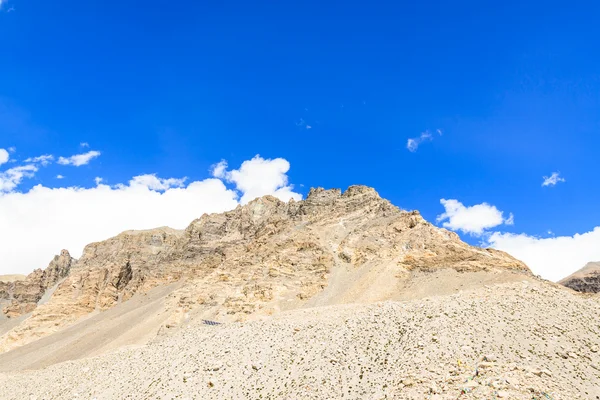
(256, 260)
(24, 294)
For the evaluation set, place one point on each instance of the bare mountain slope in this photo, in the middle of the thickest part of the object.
(586, 280)
(259, 259)
(521, 340)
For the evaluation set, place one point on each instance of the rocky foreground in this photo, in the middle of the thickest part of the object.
(521, 340)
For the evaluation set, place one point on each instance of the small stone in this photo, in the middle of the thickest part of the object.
(433, 388)
(502, 394)
(408, 381)
(512, 381)
(594, 349)
(490, 358)
(466, 349)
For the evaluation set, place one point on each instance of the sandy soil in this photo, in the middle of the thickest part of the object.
(517, 340)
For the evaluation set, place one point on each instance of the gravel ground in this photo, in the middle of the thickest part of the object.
(524, 340)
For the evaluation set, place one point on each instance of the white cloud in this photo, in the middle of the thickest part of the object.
(49, 219)
(60, 177)
(84, 144)
(44, 159)
(553, 258)
(219, 170)
(152, 182)
(4, 156)
(413, 144)
(553, 179)
(473, 220)
(11, 178)
(12, 149)
(79, 159)
(258, 177)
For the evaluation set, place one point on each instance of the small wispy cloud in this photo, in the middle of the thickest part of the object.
(152, 182)
(553, 179)
(303, 124)
(84, 144)
(78, 160)
(11, 178)
(44, 159)
(413, 143)
(4, 156)
(60, 177)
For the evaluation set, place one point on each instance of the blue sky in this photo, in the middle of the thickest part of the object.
(335, 89)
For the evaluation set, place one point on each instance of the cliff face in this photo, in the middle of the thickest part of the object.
(586, 280)
(256, 260)
(22, 296)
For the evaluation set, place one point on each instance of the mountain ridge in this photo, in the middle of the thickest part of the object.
(256, 260)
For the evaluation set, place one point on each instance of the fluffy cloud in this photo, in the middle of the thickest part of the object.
(413, 144)
(553, 258)
(257, 177)
(473, 220)
(4, 156)
(39, 223)
(79, 159)
(44, 160)
(553, 179)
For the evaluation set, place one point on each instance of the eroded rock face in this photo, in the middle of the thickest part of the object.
(261, 258)
(25, 294)
(586, 280)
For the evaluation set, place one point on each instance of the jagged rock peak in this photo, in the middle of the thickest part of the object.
(353, 190)
(24, 295)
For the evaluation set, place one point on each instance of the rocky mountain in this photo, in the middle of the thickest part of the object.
(21, 296)
(257, 260)
(586, 280)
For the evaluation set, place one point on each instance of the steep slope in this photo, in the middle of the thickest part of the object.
(586, 280)
(262, 258)
(21, 296)
(524, 340)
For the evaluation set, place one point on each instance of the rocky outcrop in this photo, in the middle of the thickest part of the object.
(262, 258)
(586, 280)
(23, 295)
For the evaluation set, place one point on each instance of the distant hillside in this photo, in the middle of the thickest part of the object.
(586, 280)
